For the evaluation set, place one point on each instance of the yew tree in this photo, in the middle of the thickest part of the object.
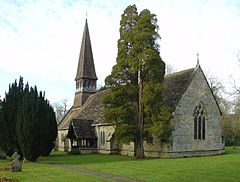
(134, 102)
(27, 122)
(8, 110)
(36, 125)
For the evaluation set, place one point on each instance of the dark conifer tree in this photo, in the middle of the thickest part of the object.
(28, 123)
(9, 109)
(36, 125)
(49, 126)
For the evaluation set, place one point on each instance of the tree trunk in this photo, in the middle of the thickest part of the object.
(139, 137)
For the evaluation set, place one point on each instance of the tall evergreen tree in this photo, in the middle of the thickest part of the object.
(36, 125)
(9, 109)
(134, 102)
(48, 127)
(28, 123)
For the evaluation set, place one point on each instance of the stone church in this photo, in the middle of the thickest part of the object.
(196, 115)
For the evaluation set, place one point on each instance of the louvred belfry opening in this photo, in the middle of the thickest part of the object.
(86, 79)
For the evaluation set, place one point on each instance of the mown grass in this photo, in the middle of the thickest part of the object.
(220, 168)
(38, 172)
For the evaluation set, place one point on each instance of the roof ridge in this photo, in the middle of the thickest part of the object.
(175, 86)
(87, 103)
(179, 72)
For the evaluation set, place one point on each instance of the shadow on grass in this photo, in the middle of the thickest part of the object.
(61, 157)
(77, 159)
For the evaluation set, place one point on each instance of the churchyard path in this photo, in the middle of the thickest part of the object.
(92, 172)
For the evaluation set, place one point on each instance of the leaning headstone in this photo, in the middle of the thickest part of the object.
(16, 165)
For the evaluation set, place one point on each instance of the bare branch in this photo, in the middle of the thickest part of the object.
(219, 93)
(61, 109)
(169, 69)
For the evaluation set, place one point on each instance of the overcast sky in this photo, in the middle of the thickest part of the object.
(40, 39)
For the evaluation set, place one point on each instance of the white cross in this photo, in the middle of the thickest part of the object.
(15, 156)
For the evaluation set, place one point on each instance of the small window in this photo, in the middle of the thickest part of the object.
(199, 122)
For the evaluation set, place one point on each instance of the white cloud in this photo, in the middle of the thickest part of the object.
(40, 40)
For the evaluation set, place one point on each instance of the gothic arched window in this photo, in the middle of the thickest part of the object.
(199, 122)
(102, 138)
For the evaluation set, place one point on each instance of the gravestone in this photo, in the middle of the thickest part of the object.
(16, 165)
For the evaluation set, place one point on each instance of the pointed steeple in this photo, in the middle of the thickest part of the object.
(86, 79)
(86, 68)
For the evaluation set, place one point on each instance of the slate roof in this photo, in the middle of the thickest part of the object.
(82, 129)
(175, 85)
(86, 68)
(93, 108)
(71, 114)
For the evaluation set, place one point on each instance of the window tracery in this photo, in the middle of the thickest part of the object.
(199, 122)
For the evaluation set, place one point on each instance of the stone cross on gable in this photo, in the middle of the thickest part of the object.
(197, 59)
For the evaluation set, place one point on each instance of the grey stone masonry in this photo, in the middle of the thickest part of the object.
(190, 136)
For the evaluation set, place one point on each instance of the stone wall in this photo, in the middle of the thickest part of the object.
(183, 142)
(196, 153)
(63, 143)
(154, 149)
(80, 98)
(127, 149)
(109, 146)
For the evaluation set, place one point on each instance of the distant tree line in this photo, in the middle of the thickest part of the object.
(28, 123)
(231, 129)
(230, 110)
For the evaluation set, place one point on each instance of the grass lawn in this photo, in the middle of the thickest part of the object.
(37, 172)
(225, 168)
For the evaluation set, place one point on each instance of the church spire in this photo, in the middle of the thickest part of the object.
(86, 68)
(86, 76)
